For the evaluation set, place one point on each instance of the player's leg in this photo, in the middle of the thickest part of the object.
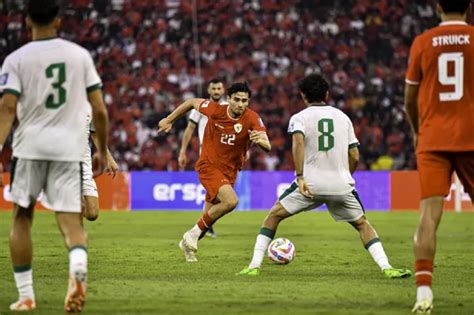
(26, 183)
(264, 238)
(76, 241)
(90, 207)
(227, 201)
(289, 203)
(435, 172)
(210, 231)
(349, 208)
(63, 195)
(21, 251)
(89, 190)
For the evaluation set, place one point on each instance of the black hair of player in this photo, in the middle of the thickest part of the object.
(215, 81)
(239, 87)
(314, 87)
(454, 6)
(43, 12)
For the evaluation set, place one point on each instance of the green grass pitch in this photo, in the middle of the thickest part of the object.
(135, 266)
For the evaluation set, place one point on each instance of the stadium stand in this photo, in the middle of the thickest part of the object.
(144, 52)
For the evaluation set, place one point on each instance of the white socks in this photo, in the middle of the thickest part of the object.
(24, 284)
(261, 246)
(424, 293)
(379, 256)
(77, 259)
(195, 231)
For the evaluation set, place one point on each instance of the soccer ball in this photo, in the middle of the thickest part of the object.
(281, 251)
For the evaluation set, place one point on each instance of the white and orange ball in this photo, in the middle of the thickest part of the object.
(281, 251)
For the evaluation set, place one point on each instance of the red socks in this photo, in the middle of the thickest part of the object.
(423, 272)
(205, 222)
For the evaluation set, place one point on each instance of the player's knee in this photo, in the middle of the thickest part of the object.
(231, 203)
(360, 224)
(23, 213)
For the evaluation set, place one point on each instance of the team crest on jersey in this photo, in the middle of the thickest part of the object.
(238, 128)
(3, 79)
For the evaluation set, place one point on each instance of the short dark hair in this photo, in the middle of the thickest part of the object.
(454, 6)
(314, 87)
(214, 81)
(43, 12)
(239, 87)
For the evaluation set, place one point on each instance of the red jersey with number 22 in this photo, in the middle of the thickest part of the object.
(442, 63)
(226, 140)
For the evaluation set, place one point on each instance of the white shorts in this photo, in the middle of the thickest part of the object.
(346, 207)
(59, 181)
(89, 187)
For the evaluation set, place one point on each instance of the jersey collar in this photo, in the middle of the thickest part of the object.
(452, 23)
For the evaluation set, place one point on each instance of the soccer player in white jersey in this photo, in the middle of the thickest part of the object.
(50, 85)
(90, 201)
(325, 155)
(216, 91)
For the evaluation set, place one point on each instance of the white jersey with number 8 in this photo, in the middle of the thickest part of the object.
(328, 136)
(51, 78)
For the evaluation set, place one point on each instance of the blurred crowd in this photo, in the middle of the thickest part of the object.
(146, 53)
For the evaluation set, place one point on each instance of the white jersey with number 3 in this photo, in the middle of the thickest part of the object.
(328, 136)
(51, 78)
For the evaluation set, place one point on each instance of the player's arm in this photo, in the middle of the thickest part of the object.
(412, 82)
(166, 123)
(260, 138)
(112, 166)
(353, 159)
(7, 117)
(101, 123)
(411, 106)
(187, 135)
(298, 158)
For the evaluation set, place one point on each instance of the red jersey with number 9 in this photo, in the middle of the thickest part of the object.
(226, 140)
(442, 64)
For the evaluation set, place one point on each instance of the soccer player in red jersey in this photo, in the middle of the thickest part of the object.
(440, 104)
(229, 132)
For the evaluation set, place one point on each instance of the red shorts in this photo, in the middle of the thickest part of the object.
(436, 170)
(212, 179)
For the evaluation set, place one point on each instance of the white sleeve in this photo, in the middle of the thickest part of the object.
(195, 116)
(10, 77)
(296, 125)
(353, 142)
(92, 78)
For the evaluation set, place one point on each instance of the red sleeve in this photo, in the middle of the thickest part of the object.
(413, 75)
(257, 123)
(207, 107)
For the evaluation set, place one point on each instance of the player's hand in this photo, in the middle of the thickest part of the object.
(303, 188)
(112, 166)
(99, 162)
(182, 161)
(256, 136)
(165, 125)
